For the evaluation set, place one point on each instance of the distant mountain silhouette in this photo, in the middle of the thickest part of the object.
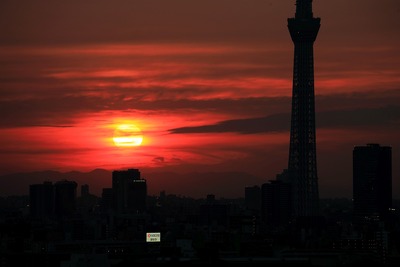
(18, 183)
(199, 184)
(191, 184)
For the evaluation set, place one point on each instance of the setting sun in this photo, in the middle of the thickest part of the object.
(127, 135)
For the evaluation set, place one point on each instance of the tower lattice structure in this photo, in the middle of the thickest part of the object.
(302, 164)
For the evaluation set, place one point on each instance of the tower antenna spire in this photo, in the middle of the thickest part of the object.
(304, 9)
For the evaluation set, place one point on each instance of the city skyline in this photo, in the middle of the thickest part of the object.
(207, 82)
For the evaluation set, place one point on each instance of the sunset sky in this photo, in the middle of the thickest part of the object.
(208, 82)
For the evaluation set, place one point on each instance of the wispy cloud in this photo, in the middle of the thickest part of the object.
(388, 117)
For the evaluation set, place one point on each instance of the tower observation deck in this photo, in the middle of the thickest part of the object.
(302, 163)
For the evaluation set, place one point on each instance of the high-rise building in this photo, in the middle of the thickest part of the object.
(276, 207)
(65, 198)
(85, 190)
(252, 197)
(129, 191)
(302, 165)
(106, 203)
(41, 200)
(212, 213)
(372, 182)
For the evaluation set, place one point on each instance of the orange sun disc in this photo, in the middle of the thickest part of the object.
(127, 135)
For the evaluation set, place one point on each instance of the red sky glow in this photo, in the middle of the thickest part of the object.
(207, 82)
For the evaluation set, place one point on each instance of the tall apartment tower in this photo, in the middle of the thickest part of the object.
(41, 200)
(302, 166)
(129, 191)
(276, 207)
(372, 182)
(65, 198)
(85, 190)
(252, 198)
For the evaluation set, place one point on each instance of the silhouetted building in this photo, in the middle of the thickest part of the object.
(276, 204)
(65, 198)
(283, 176)
(212, 213)
(302, 164)
(106, 199)
(372, 182)
(252, 197)
(41, 200)
(210, 198)
(129, 191)
(85, 190)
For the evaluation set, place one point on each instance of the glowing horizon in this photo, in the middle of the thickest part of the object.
(207, 85)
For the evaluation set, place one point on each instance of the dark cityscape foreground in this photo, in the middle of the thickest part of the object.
(53, 226)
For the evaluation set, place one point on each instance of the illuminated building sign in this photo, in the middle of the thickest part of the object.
(153, 237)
